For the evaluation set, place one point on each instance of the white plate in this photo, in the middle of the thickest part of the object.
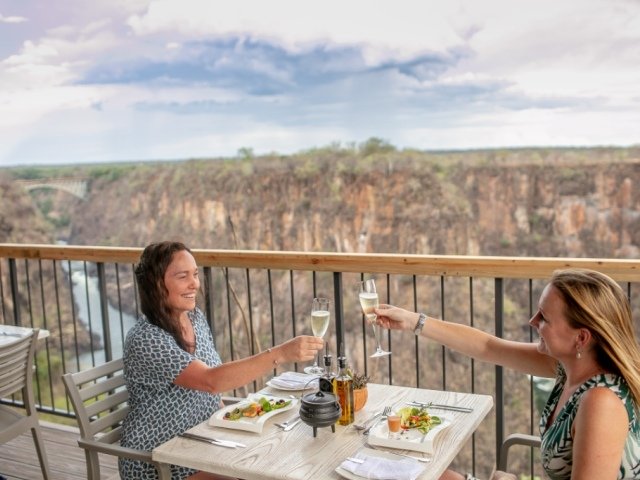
(250, 424)
(293, 381)
(313, 385)
(411, 439)
(369, 451)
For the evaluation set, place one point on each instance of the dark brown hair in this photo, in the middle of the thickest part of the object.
(153, 264)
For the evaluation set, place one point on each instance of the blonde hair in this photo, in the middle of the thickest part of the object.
(594, 301)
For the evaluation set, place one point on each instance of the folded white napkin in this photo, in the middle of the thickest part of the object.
(381, 468)
(294, 381)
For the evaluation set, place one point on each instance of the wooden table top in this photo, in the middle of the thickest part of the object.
(296, 454)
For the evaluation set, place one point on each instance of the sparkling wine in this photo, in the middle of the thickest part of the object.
(319, 322)
(368, 296)
(369, 301)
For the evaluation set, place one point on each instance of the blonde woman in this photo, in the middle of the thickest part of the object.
(590, 427)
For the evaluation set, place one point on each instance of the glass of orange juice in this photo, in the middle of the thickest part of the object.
(393, 422)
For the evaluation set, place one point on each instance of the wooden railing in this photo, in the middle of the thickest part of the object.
(439, 265)
(255, 299)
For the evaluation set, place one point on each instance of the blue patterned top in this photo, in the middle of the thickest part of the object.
(160, 410)
(557, 440)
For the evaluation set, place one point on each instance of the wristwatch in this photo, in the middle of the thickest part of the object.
(418, 328)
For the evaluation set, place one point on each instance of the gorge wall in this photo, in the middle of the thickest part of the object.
(396, 202)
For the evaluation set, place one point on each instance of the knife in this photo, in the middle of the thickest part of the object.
(212, 441)
(291, 425)
(453, 408)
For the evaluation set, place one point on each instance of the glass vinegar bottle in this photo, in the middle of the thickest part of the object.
(343, 388)
(327, 380)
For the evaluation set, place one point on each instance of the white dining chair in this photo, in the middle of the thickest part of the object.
(99, 397)
(512, 440)
(16, 376)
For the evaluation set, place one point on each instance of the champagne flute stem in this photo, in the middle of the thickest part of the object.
(376, 334)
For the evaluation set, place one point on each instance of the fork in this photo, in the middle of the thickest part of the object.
(385, 414)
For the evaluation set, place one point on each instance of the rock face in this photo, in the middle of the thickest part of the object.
(573, 211)
(20, 220)
(399, 202)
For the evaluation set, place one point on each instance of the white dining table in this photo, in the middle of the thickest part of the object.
(11, 333)
(298, 455)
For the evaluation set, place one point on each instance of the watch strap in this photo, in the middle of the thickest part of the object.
(420, 324)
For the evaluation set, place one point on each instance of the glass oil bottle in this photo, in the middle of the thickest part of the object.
(343, 388)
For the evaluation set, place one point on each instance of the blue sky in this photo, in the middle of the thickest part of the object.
(121, 80)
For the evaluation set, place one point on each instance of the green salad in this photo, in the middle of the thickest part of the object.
(256, 409)
(418, 418)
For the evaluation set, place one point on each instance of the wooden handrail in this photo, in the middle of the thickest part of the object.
(440, 265)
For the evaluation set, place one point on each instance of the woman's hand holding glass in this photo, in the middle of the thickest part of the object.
(369, 302)
(320, 316)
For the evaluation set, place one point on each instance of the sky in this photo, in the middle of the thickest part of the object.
(136, 80)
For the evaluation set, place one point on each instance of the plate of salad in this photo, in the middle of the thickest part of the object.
(251, 414)
(418, 428)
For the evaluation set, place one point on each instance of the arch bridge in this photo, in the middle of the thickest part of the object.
(75, 186)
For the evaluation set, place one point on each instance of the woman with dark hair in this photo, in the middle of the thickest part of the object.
(590, 427)
(174, 374)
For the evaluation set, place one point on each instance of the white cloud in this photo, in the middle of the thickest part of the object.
(12, 19)
(399, 29)
(126, 79)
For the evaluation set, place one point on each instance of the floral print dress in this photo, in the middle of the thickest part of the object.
(159, 409)
(557, 439)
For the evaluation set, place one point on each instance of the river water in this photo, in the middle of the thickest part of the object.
(87, 299)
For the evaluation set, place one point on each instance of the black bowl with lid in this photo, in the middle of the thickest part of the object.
(320, 409)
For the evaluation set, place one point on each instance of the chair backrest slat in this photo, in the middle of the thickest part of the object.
(9, 388)
(112, 437)
(16, 363)
(108, 403)
(105, 385)
(107, 422)
(104, 370)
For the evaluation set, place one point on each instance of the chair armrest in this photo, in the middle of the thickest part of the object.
(515, 439)
(116, 450)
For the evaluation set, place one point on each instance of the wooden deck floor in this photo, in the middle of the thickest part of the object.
(18, 458)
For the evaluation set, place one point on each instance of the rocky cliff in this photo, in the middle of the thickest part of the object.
(565, 203)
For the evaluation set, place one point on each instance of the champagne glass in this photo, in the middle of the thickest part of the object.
(320, 316)
(369, 301)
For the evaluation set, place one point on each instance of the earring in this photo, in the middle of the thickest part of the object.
(578, 353)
